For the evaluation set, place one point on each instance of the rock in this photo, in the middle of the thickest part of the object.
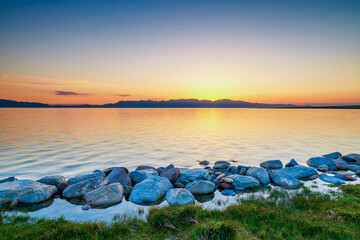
(284, 180)
(119, 175)
(151, 190)
(345, 177)
(332, 180)
(242, 171)
(222, 162)
(204, 163)
(220, 166)
(140, 175)
(62, 186)
(199, 187)
(357, 172)
(107, 171)
(80, 178)
(228, 192)
(85, 207)
(128, 190)
(341, 165)
(142, 167)
(352, 157)
(223, 185)
(297, 171)
(187, 176)
(353, 167)
(172, 174)
(323, 168)
(232, 169)
(179, 185)
(227, 180)
(244, 181)
(292, 163)
(272, 164)
(259, 173)
(313, 177)
(160, 170)
(220, 176)
(79, 189)
(333, 155)
(204, 198)
(9, 179)
(25, 191)
(239, 189)
(52, 180)
(316, 162)
(179, 197)
(106, 195)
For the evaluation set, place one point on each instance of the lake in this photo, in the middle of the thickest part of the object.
(70, 141)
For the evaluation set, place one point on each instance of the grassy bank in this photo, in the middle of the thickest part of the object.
(306, 216)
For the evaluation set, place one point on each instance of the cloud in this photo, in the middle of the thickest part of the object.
(68, 93)
(122, 95)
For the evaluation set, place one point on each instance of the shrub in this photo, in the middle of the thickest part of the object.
(214, 230)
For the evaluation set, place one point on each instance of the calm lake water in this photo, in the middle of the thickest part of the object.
(39, 142)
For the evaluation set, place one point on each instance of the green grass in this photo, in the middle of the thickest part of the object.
(303, 215)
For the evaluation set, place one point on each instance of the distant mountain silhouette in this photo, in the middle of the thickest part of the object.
(173, 103)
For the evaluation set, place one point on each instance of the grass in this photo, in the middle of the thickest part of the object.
(303, 215)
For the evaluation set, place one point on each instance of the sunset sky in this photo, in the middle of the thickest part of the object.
(72, 52)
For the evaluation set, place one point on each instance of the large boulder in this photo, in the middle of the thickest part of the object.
(334, 155)
(79, 189)
(151, 190)
(119, 175)
(140, 175)
(259, 173)
(179, 196)
(187, 175)
(244, 181)
(332, 180)
(25, 191)
(80, 178)
(52, 180)
(316, 162)
(272, 164)
(200, 187)
(105, 195)
(284, 180)
(297, 171)
(171, 173)
(352, 157)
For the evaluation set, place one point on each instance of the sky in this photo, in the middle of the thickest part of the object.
(96, 52)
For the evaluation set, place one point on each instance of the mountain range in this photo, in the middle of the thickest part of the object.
(173, 103)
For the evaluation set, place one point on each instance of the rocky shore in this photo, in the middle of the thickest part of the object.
(147, 185)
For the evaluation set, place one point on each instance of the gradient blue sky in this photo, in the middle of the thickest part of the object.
(300, 52)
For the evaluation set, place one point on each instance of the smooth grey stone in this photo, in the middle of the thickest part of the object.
(119, 175)
(192, 175)
(172, 174)
(86, 207)
(292, 163)
(105, 195)
(318, 161)
(205, 197)
(242, 171)
(79, 189)
(260, 174)
(220, 166)
(80, 178)
(323, 168)
(160, 170)
(169, 167)
(352, 157)
(52, 180)
(353, 167)
(357, 172)
(204, 163)
(228, 192)
(138, 176)
(341, 165)
(25, 191)
(107, 171)
(9, 179)
(244, 181)
(179, 185)
(142, 167)
(200, 187)
(284, 180)
(297, 171)
(179, 196)
(151, 190)
(272, 164)
(333, 155)
(332, 180)
(222, 162)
